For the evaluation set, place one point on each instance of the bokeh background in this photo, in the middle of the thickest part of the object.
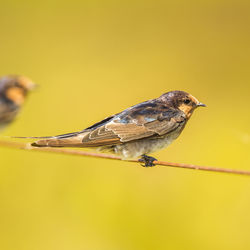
(94, 58)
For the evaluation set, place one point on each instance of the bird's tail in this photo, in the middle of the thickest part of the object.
(65, 140)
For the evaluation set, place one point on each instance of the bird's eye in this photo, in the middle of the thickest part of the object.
(187, 101)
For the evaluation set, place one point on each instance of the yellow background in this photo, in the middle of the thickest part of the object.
(95, 58)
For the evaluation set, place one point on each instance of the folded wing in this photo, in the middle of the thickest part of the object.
(138, 122)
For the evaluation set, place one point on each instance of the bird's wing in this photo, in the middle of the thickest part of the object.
(7, 112)
(140, 121)
(74, 139)
(135, 123)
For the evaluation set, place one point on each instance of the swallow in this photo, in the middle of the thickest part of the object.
(13, 92)
(135, 132)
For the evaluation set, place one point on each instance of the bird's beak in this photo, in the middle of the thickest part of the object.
(33, 86)
(200, 105)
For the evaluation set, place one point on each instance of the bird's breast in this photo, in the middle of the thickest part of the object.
(135, 149)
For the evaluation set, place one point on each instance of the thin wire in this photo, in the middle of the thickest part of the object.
(76, 152)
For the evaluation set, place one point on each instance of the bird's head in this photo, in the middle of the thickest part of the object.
(182, 100)
(16, 88)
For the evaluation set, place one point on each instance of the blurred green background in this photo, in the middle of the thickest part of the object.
(95, 58)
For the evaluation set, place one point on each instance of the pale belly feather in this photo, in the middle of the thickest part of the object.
(135, 149)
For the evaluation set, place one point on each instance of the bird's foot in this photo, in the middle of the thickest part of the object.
(147, 160)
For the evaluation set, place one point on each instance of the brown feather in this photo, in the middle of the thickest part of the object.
(163, 127)
(75, 141)
(114, 133)
(129, 132)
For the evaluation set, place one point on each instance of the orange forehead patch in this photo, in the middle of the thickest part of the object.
(193, 99)
(16, 95)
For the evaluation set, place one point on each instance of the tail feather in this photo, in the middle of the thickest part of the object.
(73, 142)
(65, 140)
(48, 137)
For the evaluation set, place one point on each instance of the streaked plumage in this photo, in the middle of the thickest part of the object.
(13, 91)
(136, 131)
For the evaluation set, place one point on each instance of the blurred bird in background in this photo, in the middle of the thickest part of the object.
(13, 92)
(136, 131)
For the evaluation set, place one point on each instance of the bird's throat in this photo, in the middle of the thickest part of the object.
(16, 95)
(188, 110)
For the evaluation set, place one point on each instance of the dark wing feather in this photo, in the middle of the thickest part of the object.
(100, 137)
(163, 126)
(135, 123)
(7, 112)
(144, 120)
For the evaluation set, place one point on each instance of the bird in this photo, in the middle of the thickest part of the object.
(13, 92)
(135, 132)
